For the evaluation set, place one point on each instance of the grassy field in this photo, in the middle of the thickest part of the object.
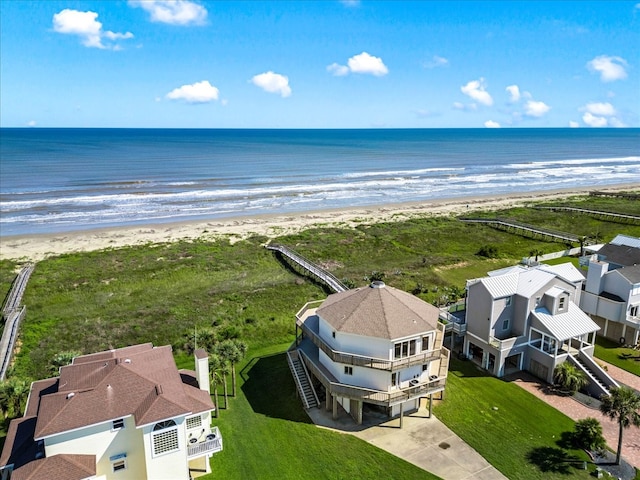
(612, 352)
(92, 301)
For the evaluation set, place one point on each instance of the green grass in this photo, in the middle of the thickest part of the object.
(611, 352)
(267, 434)
(515, 431)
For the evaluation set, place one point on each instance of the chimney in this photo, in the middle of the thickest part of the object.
(595, 276)
(202, 369)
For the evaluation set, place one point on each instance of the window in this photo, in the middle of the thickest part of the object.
(561, 303)
(166, 440)
(194, 422)
(395, 379)
(633, 311)
(425, 367)
(117, 424)
(505, 324)
(333, 334)
(425, 344)
(538, 301)
(404, 349)
(507, 301)
(119, 465)
(348, 370)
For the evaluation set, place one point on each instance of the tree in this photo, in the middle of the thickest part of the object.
(569, 377)
(622, 405)
(224, 350)
(13, 394)
(214, 366)
(235, 355)
(588, 434)
(61, 359)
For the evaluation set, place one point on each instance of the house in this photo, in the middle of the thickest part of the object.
(612, 291)
(522, 318)
(376, 347)
(127, 413)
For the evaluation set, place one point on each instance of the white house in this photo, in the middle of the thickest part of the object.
(612, 292)
(523, 318)
(375, 345)
(123, 414)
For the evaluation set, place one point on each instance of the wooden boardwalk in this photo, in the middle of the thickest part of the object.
(12, 314)
(309, 267)
(526, 230)
(628, 196)
(610, 216)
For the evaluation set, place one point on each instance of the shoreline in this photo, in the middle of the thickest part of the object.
(36, 247)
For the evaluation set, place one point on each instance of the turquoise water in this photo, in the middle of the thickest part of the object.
(54, 180)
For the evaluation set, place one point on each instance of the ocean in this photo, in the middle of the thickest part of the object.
(56, 180)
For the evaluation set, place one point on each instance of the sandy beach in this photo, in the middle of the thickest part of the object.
(38, 247)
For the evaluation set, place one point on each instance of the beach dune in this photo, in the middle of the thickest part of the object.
(38, 247)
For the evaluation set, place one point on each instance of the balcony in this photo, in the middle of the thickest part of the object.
(308, 321)
(211, 443)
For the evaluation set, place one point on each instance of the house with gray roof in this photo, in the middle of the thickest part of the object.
(612, 291)
(373, 347)
(527, 318)
(127, 413)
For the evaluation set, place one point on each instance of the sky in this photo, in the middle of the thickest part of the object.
(319, 64)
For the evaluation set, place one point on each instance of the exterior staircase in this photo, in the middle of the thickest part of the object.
(301, 378)
(599, 381)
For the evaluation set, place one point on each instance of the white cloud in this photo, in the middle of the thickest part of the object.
(436, 61)
(85, 25)
(601, 109)
(338, 70)
(367, 64)
(536, 109)
(573, 124)
(476, 90)
(610, 68)
(467, 107)
(458, 105)
(491, 124)
(273, 83)
(593, 120)
(31, 123)
(514, 93)
(173, 12)
(199, 92)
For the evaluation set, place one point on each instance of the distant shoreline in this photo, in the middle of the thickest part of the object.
(40, 246)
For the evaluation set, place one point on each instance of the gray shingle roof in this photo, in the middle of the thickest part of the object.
(381, 312)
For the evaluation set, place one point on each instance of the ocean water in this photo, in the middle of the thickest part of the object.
(55, 180)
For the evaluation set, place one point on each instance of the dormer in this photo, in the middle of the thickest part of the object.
(556, 300)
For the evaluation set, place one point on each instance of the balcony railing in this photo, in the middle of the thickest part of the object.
(369, 362)
(212, 443)
(379, 397)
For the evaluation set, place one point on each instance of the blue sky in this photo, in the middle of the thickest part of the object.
(319, 64)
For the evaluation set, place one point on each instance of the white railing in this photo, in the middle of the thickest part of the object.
(211, 444)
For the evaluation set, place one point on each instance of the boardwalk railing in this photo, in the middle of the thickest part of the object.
(628, 196)
(327, 278)
(12, 315)
(615, 217)
(525, 229)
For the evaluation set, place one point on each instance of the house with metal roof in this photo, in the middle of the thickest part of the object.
(127, 413)
(612, 291)
(527, 318)
(374, 347)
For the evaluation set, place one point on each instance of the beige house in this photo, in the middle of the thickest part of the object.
(127, 413)
(376, 347)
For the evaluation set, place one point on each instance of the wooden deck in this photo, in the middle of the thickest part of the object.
(526, 230)
(609, 216)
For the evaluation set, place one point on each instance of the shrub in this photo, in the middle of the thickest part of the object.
(488, 251)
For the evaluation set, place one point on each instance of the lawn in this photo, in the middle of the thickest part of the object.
(517, 433)
(611, 352)
(268, 435)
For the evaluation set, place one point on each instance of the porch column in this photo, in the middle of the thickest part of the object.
(357, 414)
(606, 326)
(624, 331)
(430, 403)
(401, 413)
(335, 406)
(327, 399)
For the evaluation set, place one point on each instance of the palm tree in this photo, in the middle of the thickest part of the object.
(569, 377)
(13, 393)
(224, 371)
(622, 404)
(214, 367)
(235, 356)
(588, 434)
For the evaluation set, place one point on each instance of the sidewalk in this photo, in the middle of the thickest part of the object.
(577, 411)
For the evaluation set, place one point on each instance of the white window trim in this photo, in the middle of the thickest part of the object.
(122, 461)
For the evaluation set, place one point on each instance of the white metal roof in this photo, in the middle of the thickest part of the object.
(501, 285)
(531, 281)
(554, 291)
(563, 326)
(567, 271)
(503, 271)
(626, 240)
